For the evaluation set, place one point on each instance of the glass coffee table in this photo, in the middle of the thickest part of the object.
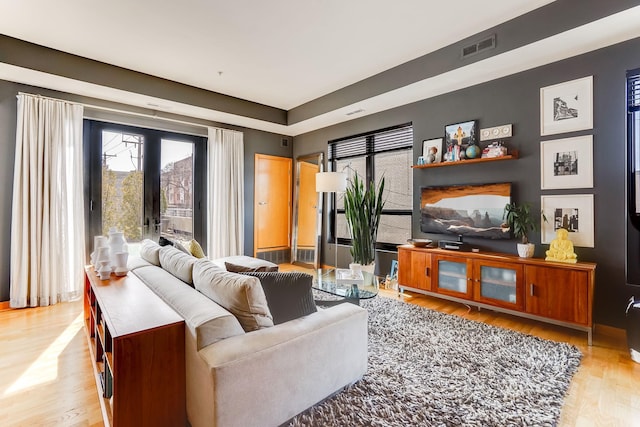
(348, 287)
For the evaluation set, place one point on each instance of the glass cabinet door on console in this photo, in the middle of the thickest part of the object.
(453, 276)
(499, 284)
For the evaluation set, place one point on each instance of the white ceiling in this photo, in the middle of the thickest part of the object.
(281, 53)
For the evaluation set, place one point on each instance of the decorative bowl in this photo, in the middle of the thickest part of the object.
(420, 243)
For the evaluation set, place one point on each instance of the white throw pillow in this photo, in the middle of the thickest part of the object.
(177, 263)
(150, 252)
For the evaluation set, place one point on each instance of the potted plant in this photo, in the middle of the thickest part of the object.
(363, 208)
(521, 221)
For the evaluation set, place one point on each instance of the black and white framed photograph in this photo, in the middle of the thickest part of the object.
(566, 163)
(574, 213)
(432, 150)
(566, 107)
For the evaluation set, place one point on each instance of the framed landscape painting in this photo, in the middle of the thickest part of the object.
(566, 107)
(571, 212)
(566, 163)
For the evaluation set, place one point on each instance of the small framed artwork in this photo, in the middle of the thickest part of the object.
(393, 274)
(566, 107)
(432, 150)
(458, 137)
(566, 163)
(571, 212)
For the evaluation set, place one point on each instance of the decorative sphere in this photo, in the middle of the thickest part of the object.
(473, 151)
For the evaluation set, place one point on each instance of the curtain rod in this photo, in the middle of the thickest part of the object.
(115, 110)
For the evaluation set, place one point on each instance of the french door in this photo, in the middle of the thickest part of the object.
(145, 182)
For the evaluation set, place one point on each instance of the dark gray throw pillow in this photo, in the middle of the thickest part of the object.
(288, 295)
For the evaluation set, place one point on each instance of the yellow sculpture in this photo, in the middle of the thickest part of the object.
(561, 248)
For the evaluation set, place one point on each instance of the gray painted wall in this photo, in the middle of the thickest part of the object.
(515, 99)
(255, 141)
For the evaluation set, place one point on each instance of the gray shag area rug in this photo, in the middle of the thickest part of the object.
(428, 368)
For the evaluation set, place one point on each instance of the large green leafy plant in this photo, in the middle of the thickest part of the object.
(363, 208)
(520, 220)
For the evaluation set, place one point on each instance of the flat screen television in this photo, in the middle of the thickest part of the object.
(469, 210)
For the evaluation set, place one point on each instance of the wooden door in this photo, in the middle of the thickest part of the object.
(557, 293)
(307, 205)
(272, 202)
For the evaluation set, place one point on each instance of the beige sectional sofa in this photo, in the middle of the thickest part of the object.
(251, 373)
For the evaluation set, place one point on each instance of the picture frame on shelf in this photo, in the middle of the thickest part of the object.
(432, 150)
(567, 106)
(566, 163)
(457, 139)
(393, 272)
(573, 212)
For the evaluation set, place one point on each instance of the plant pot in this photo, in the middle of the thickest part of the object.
(525, 250)
(368, 273)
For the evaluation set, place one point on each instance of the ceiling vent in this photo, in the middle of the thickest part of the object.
(482, 45)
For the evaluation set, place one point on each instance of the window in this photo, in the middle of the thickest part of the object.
(389, 153)
(148, 183)
(633, 145)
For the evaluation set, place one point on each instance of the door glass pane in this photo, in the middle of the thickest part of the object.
(176, 190)
(498, 283)
(122, 185)
(452, 276)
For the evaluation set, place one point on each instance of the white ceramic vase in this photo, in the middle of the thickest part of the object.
(98, 242)
(121, 263)
(105, 269)
(116, 245)
(102, 254)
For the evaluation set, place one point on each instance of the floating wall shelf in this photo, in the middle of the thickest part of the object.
(512, 156)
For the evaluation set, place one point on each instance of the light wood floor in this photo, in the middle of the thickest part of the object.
(46, 378)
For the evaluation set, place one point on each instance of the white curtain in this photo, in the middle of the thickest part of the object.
(225, 178)
(47, 224)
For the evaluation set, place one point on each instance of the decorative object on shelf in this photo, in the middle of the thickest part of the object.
(421, 160)
(105, 269)
(102, 254)
(521, 221)
(420, 243)
(559, 163)
(432, 150)
(493, 150)
(561, 248)
(117, 244)
(363, 208)
(98, 242)
(497, 132)
(472, 151)
(121, 263)
(572, 212)
(567, 106)
(458, 137)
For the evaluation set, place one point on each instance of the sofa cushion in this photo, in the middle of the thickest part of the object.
(150, 252)
(234, 268)
(207, 321)
(135, 262)
(289, 295)
(241, 295)
(177, 263)
(245, 261)
(196, 249)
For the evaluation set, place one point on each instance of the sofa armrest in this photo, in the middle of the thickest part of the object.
(268, 376)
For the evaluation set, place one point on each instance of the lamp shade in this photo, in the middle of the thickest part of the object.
(331, 182)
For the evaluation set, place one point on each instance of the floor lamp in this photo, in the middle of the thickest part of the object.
(332, 182)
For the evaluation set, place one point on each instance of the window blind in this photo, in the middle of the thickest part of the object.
(395, 138)
(633, 90)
